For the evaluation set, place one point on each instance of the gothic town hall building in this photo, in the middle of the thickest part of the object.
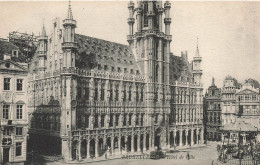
(88, 95)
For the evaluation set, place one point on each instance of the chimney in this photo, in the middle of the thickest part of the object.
(7, 56)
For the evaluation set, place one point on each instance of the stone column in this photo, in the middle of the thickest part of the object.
(112, 145)
(114, 120)
(180, 138)
(192, 138)
(197, 134)
(99, 121)
(186, 141)
(138, 142)
(79, 150)
(144, 142)
(96, 148)
(119, 144)
(202, 136)
(132, 143)
(174, 138)
(88, 148)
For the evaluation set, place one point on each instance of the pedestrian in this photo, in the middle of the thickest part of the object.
(188, 156)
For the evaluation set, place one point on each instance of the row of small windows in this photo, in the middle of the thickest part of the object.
(113, 93)
(83, 121)
(8, 131)
(6, 112)
(119, 69)
(247, 98)
(7, 84)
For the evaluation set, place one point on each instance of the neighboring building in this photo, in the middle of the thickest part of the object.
(13, 104)
(212, 118)
(248, 104)
(228, 100)
(87, 94)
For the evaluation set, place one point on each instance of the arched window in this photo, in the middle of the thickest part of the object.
(130, 93)
(145, 14)
(117, 92)
(156, 73)
(102, 92)
(111, 92)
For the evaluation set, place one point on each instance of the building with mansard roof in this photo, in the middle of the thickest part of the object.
(88, 95)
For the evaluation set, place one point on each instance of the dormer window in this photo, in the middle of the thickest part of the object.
(119, 69)
(112, 69)
(137, 72)
(125, 70)
(7, 65)
(132, 71)
(15, 53)
(131, 62)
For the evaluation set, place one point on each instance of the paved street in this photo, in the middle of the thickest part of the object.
(198, 156)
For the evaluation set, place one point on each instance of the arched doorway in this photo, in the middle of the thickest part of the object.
(141, 142)
(129, 139)
(116, 144)
(171, 139)
(189, 137)
(123, 143)
(158, 138)
(135, 143)
(108, 142)
(84, 148)
(183, 138)
(147, 141)
(177, 138)
(101, 147)
(195, 136)
(92, 148)
(75, 150)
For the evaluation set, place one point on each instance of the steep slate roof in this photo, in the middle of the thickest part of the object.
(97, 54)
(179, 67)
(7, 47)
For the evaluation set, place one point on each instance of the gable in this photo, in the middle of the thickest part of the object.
(246, 92)
(10, 65)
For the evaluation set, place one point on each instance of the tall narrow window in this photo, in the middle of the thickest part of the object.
(19, 111)
(18, 149)
(7, 83)
(124, 92)
(137, 93)
(96, 93)
(6, 111)
(117, 93)
(142, 94)
(130, 94)
(145, 14)
(102, 120)
(102, 92)
(19, 130)
(111, 92)
(87, 93)
(19, 84)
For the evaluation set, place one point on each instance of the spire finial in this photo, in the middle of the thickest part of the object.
(70, 16)
(197, 51)
(213, 81)
(43, 29)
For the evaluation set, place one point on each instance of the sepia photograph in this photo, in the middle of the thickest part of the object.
(126, 82)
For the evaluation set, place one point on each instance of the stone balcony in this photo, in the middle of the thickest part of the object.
(69, 22)
(69, 45)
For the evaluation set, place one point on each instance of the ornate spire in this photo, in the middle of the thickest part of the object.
(213, 81)
(43, 30)
(197, 51)
(70, 16)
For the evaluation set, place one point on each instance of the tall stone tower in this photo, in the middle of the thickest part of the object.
(42, 50)
(151, 48)
(69, 46)
(196, 66)
(69, 84)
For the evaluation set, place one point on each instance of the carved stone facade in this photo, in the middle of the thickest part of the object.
(212, 118)
(109, 96)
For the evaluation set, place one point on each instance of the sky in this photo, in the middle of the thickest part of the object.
(228, 32)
